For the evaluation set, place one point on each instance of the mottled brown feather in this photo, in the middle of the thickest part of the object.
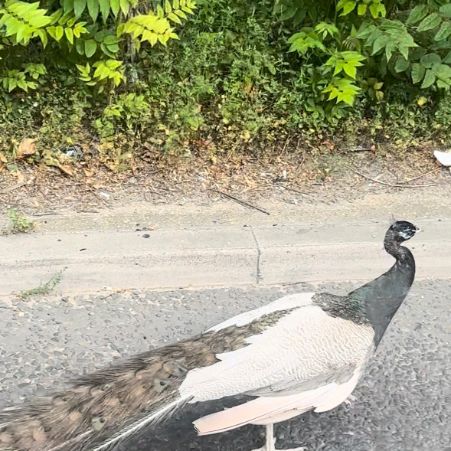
(100, 405)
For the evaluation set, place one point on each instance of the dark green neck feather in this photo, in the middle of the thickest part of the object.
(381, 298)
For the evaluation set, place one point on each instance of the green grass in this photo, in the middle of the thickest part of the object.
(44, 288)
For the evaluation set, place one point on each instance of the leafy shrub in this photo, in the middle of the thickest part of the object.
(365, 45)
(243, 75)
(96, 35)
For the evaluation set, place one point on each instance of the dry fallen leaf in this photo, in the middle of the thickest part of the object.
(27, 147)
(66, 169)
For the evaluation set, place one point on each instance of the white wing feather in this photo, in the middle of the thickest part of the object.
(284, 303)
(303, 346)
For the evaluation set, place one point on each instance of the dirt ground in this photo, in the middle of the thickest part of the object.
(311, 178)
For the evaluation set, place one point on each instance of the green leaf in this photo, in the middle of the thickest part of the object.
(110, 39)
(167, 7)
(430, 59)
(79, 29)
(113, 64)
(429, 79)
(442, 71)
(302, 42)
(447, 58)
(80, 47)
(160, 11)
(417, 73)
(36, 20)
(125, 6)
(79, 7)
(90, 47)
(115, 7)
(342, 90)
(187, 9)
(351, 71)
(114, 48)
(401, 64)
(418, 13)
(430, 22)
(59, 33)
(71, 22)
(326, 29)
(23, 85)
(56, 15)
(347, 7)
(377, 10)
(389, 49)
(68, 5)
(445, 10)
(69, 35)
(379, 43)
(43, 36)
(104, 9)
(93, 9)
(181, 14)
(404, 50)
(442, 84)
(361, 9)
(174, 18)
(12, 84)
(443, 32)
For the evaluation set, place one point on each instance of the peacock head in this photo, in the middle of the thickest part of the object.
(402, 231)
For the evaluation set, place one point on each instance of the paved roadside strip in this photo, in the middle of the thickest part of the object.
(215, 256)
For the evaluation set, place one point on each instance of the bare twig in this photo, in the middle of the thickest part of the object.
(48, 213)
(419, 176)
(288, 188)
(13, 188)
(361, 149)
(285, 145)
(242, 202)
(393, 185)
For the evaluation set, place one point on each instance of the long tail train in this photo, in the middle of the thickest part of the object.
(101, 409)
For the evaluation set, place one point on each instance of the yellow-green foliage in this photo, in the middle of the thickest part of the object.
(100, 32)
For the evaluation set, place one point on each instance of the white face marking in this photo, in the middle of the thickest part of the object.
(405, 235)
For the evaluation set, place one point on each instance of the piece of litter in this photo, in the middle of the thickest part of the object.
(443, 158)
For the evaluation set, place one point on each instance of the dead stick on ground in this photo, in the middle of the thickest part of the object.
(242, 202)
(294, 190)
(419, 176)
(393, 185)
(12, 188)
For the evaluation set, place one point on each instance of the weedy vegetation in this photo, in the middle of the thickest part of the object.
(18, 222)
(44, 288)
(219, 75)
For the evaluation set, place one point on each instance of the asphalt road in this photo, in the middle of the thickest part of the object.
(403, 402)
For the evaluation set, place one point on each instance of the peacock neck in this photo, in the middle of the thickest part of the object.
(381, 298)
